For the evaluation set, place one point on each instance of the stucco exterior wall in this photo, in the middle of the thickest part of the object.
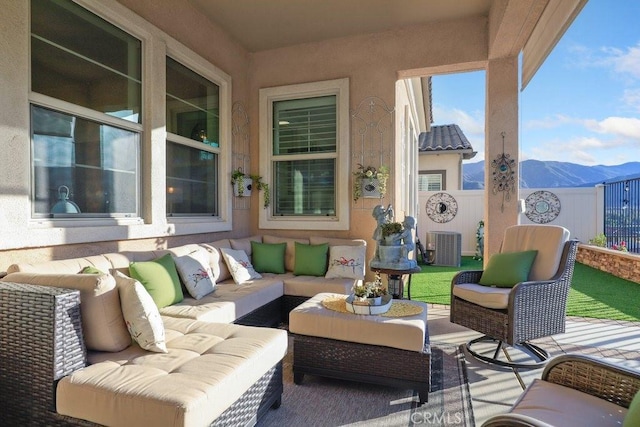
(450, 163)
(373, 63)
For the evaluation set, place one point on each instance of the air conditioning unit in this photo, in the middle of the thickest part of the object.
(447, 246)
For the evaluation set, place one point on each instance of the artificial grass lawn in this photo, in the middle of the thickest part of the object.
(593, 293)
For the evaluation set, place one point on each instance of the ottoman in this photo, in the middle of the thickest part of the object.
(334, 343)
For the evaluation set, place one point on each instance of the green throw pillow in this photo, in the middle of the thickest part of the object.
(91, 270)
(311, 260)
(508, 269)
(160, 279)
(268, 257)
(632, 419)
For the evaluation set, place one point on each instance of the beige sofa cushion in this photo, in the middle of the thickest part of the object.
(563, 406)
(64, 266)
(335, 241)
(229, 301)
(218, 265)
(290, 253)
(308, 286)
(548, 240)
(102, 321)
(207, 368)
(244, 244)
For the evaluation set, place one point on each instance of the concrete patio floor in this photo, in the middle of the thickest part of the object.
(494, 389)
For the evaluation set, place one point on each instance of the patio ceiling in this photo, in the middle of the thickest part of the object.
(260, 25)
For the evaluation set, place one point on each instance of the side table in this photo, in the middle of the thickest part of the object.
(396, 280)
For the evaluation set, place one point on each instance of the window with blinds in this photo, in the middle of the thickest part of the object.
(304, 156)
(430, 182)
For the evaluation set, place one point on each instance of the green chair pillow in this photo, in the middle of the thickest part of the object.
(507, 269)
(160, 279)
(632, 419)
(268, 257)
(311, 260)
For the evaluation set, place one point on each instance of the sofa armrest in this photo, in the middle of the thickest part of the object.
(597, 377)
(41, 341)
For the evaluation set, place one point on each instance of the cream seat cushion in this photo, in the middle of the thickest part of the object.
(228, 301)
(563, 406)
(311, 318)
(207, 368)
(485, 296)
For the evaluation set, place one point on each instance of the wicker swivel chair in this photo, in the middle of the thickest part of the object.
(531, 309)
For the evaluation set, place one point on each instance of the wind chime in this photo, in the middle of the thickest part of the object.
(503, 175)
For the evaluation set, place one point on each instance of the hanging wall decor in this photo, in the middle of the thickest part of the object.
(442, 207)
(542, 206)
(504, 180)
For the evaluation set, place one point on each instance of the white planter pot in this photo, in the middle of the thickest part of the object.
(371, 188)
(246, 191)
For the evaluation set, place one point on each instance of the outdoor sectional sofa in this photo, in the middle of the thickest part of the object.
(70, 359)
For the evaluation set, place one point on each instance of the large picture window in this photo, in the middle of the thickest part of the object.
(305, 131)
(85, 113)
(193, 142)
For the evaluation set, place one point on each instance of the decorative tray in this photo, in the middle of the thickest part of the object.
(359, 308)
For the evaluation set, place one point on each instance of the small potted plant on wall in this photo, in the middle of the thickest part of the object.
(241, 183)
(370, 182)
(264, 187)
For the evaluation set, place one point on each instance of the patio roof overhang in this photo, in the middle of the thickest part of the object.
(531, 26)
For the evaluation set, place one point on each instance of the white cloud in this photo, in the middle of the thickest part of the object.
(624, 61)
(472, 125)
(549, 122)
(631, 97)
(626, 127)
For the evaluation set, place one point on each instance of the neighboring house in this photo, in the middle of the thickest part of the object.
(442, 151)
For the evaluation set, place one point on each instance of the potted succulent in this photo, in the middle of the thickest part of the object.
(370, 182)
(370, 293)
(391, 232)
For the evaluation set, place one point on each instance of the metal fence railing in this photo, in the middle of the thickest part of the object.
(622, 214)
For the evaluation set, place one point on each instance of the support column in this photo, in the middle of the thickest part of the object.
(502, 168)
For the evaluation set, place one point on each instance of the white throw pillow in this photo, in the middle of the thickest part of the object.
(239, 265)
(346, 262)
(195, 272)
(140, 314)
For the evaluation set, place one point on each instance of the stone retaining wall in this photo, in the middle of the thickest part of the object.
(621, 264)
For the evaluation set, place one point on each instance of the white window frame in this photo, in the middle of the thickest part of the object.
(197, 64)
(339, 88)
(427, 174)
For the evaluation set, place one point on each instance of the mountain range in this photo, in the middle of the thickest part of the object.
(551, 174)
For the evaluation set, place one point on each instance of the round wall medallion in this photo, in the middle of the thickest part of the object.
(442, 207)
(542, 207)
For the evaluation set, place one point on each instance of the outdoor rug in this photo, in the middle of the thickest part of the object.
(330, 402)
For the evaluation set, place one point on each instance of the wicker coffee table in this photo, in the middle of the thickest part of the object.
(338, 344)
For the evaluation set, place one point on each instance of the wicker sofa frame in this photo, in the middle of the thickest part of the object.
(584, 373)
(536, 309)
(41, 342)
(344, 360)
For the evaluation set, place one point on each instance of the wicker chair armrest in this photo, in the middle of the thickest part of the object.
(597, 377)
(514, 420)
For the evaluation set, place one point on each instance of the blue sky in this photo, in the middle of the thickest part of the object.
(583, 104)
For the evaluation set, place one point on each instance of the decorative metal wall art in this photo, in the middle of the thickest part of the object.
(442, 207)
(504, 180)
(542, 207)
(240, 147)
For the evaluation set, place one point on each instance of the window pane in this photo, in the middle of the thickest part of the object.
(305, 187)
(192, 105)
(303, 126)
(191, 180)
(430, 182)
(82, 167)
(80, 58)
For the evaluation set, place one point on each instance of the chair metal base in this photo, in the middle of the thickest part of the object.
(539, 356)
